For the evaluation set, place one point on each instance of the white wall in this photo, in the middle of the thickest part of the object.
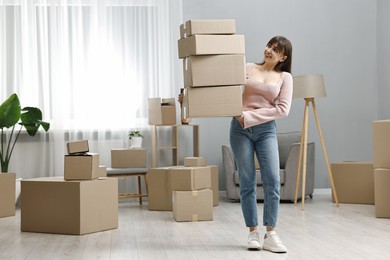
(331, 37)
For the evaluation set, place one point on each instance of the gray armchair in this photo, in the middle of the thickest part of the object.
(289, 146)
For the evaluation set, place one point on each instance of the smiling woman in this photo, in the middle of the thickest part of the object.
(90, 65)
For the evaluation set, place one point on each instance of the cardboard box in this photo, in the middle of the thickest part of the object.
(214, 70)
(159, 189)
(7, 194)
(354, 182)
(102, 171)
(382, 192)
(81, 166)
(191, 27)
(128, 158)
(215, 184)
(381, 143)
(162, 111)
(211, 44)
(212, 101)
(52, 205)
(190, 178)
(193, 205)
(195, 162)
(77, 147)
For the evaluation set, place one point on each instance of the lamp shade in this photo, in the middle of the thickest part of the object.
(309, 86)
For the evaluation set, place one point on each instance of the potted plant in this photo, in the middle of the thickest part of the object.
(29, 118)
(135, 138)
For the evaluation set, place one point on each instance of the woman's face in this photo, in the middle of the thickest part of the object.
(272, 54)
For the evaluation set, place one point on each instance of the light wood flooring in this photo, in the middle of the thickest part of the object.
(321, 231)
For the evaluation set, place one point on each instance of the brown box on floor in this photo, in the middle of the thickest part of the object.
(381, 143)
(215, 184)
(159, 189)
(221, 26)
(354, 182)
(212, 101)
(162, 111)
(382, 192)
(53, 205)
(82, 166)
(7, 194)
(162, 181)
(128, 158)
(194, 205)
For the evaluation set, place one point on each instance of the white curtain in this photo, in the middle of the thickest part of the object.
(90, 66)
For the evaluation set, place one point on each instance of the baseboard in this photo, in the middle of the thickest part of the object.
(322, 191)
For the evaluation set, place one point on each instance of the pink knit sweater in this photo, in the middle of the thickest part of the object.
(263, 102)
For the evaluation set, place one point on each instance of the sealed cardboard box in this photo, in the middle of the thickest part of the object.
(162, 111)
(81, 166)
(222, 26)
(381, 143)
(214, 70)
(7, 194)
(159, 189)
(190, 178)
(77, 147)
(195, 162)
(212, 101)
(193, 205)
(211, 44)
(354, 182)
(53, 205)
(382, 192)
(128, 158)
(214, 184)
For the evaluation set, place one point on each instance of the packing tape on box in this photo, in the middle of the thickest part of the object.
(194, 217)
(194, 192)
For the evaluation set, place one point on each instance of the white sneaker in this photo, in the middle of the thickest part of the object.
(273, 243)
(254, 240)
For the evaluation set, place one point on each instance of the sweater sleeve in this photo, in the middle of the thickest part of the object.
(280, 109)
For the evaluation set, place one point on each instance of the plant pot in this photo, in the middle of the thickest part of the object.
(7, 194)
(136, 142)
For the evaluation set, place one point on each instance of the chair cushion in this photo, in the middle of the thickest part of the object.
(258, 178)
(285, 140)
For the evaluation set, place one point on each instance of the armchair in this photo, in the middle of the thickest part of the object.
(289, 144)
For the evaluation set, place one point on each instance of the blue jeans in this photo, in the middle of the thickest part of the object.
(262, 140)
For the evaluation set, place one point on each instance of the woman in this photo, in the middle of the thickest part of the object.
(267, 96)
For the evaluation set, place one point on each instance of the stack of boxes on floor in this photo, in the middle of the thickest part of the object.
(83, 201)
(190, 191)
(381, 152)
(213, 67)
(367, 182)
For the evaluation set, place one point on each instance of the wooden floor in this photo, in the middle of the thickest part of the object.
(321, 231)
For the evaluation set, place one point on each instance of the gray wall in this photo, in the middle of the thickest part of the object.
(335, 38)
(383, 59)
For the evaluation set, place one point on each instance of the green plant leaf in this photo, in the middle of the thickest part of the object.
(10, 112)
(31, 119)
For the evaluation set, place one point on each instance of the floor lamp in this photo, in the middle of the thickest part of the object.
(309, 87)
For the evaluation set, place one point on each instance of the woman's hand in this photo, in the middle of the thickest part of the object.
(240, 119)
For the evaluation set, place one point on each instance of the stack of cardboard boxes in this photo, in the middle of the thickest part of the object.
(83, 201)
(381, 156)
(213, 68)
(186, 190)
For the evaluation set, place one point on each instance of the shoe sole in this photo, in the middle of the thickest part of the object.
(254, 248)
(275, 251)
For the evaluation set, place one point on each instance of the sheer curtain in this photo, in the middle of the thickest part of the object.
(90, 66)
